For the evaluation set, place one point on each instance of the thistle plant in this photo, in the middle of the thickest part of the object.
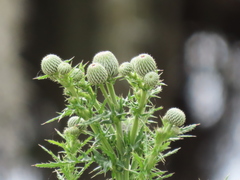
(124, 137)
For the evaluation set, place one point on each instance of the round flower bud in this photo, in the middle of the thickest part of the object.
(64, 68)
(125, 69)
(73, 131)
(175, 117)
(77, 74)
(73, 121)
(143, 64)
(132, 62)
(151, 79)
(50, 64)
(96, 74)
(108, 61)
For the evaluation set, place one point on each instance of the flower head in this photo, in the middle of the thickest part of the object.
(96, 74)
(108, 61)
(151, 79)
(143, 64)
(77, 74)
(125, 68)
(64, 68)
(175, 116)
(50, 64)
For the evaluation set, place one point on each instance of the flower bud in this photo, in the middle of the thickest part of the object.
(73, 131)
(125, 69)
(77, 74)
(76, 121)
(132, 62)
(50, 64)
(64, 68)
(108, 61)
(143, 64)
(175, 117)
(73, 121)
(96, 74)
(151, 79)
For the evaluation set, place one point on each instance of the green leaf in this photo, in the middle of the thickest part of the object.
(59, 176)
(41, 77)
(79, 173)
(186, 135)
(50, 153)
(188, 128)
(166, 176)
(60, 134)
(103, 161)
(55, 143)
(171, 152)
(52, 164)
(51, 120)
(139, 159)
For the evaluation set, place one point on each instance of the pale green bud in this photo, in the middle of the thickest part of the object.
(64, 68)
(132, 62)
(73, 121)
(77, 74)
(73, 131)
(76, 121)
(151, 79)
(108, 61)
(125, 69)
(50, 64)
(96, 74)
(175, 117)
(143, 64)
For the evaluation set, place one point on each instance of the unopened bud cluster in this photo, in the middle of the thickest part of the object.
(103, 67)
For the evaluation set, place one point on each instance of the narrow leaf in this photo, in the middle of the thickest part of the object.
(55, 143)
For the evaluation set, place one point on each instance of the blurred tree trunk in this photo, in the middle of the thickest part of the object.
(16, 130)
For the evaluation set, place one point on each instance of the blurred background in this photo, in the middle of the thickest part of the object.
(197, 43)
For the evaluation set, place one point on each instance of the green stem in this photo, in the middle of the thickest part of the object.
(126, 172)
(92, 94)
(94, 127)
(119, 135)
(112, 94)
(105, 94)
(160, 139)
(140, 110)
(117, 122)
(151, 160)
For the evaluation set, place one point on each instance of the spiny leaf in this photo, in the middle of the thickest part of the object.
(60, 134)
(64, 113)
(79, 173)
(55, 143)
(59, 176)
(171, 152)
(51, 165)
(50, 152)
(41, 77)
(188, 128)
(139, 159)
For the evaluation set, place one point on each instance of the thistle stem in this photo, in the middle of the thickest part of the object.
(112, 94)
(105, 94)
(140, 110)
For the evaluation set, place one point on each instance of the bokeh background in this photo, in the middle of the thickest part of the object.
(197, 43)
